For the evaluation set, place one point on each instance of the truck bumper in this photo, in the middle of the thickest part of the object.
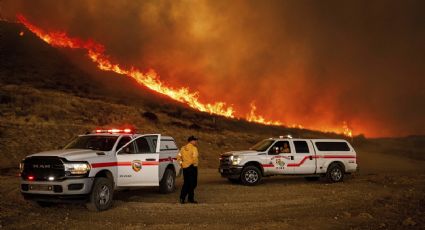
(233, 172)
(67, 190)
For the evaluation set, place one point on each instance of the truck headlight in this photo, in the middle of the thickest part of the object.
(235, 160)
(77, 168)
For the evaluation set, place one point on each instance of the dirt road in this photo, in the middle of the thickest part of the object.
(377, 198)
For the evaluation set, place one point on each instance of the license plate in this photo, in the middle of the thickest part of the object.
(41, 187)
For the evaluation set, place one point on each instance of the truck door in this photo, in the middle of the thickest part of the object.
(280, 156)
(304, 158)
(138, 161)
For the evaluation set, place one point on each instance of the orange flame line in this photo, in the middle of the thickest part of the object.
(96, 53)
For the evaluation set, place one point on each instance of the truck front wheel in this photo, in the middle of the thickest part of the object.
(101, 195)
(168, 181)
(251, 175)
(335, 173)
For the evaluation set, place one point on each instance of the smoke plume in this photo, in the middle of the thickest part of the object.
(313, 63)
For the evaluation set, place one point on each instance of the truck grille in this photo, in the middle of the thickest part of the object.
(43, 168)
(224, 160)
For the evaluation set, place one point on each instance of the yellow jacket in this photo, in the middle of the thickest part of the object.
(188, 155)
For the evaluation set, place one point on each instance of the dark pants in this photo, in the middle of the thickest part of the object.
(190, 176)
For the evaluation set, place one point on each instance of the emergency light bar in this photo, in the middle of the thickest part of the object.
(113, 131)
(286, 136)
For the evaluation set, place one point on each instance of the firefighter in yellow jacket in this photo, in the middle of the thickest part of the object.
(188, 158)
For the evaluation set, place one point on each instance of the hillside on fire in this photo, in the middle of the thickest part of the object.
(51, 95)
(48, 96)
(53, 90)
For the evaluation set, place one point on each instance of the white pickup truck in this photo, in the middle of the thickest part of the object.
(94, 165)
(310, 158)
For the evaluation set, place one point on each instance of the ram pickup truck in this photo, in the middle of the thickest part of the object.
(94, 165)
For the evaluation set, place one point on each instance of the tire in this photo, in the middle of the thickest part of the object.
(312, 178)
(101, 195)
(168, 182)
(335, 173)
(251, 175)
(234, 180)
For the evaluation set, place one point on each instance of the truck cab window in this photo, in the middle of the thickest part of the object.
(301, 147)
(168, 145)
(143, 145)
(152, 142)
(129, 149)
(280, 147)
(124, 140)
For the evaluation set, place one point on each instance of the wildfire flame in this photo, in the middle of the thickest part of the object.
(346, 130)
(150, 79)
(252, 117)
(96, 52)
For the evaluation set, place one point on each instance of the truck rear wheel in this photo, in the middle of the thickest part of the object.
(101, 195)
(335, 173)
(168, 181)
(251, 175)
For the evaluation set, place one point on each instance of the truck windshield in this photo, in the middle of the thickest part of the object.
(262, 145)
(102, 143)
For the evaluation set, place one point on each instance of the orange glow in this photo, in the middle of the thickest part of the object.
(21, 33)
(150, 79)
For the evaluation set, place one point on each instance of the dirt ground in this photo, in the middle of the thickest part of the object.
(382, 196)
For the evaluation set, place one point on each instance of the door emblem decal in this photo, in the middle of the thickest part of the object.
(279, 162)
(136, 165)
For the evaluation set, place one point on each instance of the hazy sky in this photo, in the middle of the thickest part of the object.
(314, 63)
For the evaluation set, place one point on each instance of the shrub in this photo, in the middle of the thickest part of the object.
(150, 116)
(195, 126)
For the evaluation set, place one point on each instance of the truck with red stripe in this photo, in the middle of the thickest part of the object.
(311, 158)
(94, 165)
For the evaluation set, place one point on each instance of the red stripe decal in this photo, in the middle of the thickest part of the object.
(268, 166)
(147, 163)
(166, 159)
(110, 164)
(115, 164)
(336, 156)
(307, 157)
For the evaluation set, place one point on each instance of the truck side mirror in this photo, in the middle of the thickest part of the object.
(274, 150)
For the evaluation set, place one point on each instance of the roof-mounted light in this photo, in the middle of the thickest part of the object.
(113, 130)
(286, 136)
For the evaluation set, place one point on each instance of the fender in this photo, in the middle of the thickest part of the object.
(255, 163)
(169, 166)
(327, 163)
